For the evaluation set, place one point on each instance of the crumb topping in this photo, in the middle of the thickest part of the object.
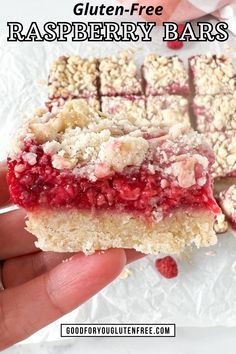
(30, 158)
(119, 75)
(221, 225)
(59, 102)
(167, 110)
(215, 113)
(94, 146)
(123, 151)
(133, 109)
(224, 146)
(73, 76)
(213, 74)
(160, 72)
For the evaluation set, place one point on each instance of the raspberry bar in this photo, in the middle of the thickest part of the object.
(130, 107)
(72, 77)
(89, 181)
(227, 200)
(167, 110)
(119, 76)
(91, 101)
(224, 146)
(212, 74)
(215, 113)
(165, 75)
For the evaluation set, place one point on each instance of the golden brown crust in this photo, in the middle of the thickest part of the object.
(75, 230)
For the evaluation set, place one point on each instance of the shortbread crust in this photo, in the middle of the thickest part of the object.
(75, 230)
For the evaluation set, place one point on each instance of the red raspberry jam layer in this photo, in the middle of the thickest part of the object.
(42, 185)
(172, 89)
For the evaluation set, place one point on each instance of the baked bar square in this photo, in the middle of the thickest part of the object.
(89, 181)
(212, 74)
(224, 146)
(167, 110)
(72, 77)
(119, 75)
(215, 113)
(165, 75)
(131, 108)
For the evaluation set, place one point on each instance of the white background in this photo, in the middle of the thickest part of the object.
(205, 292)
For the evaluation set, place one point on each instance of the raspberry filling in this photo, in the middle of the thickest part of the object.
(40, 185)
(173, 88)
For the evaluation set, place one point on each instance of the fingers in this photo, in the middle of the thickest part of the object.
(132, 255)
(4, 191)
(51, 295)
(31, 266)
(14, 239)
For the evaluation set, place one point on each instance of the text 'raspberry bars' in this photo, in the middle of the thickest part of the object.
(89, 181)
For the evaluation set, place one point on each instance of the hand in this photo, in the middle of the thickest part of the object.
(38, 287)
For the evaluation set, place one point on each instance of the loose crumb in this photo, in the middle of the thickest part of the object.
(233, 267)
(186, 254)
(126, 272)
(41, 82)
(141, 267)
(66, 260)
(211, 253)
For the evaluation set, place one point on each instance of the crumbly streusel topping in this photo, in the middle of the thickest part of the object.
(133, 109)
(213, 74)
(224, 146)
(91, 101)
(215, 113)
(74, 114)
(94, 145)
(160, 71)
(221, 225)
(73, 76)
(167, 110)
(119, 75)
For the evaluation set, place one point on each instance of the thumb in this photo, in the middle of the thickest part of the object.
(27, 308)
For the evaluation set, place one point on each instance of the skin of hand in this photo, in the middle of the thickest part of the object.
(40, 287)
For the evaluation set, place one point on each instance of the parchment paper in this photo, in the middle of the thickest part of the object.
(204, 293)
